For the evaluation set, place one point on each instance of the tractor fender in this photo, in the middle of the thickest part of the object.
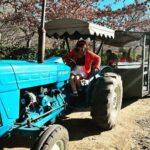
(105, 69)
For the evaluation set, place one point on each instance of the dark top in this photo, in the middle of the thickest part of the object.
(80, 61)
(111, 59)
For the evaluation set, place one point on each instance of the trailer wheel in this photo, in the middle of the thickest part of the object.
(106, 100)
(54, 138)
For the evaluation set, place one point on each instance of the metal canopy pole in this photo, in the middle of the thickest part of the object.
(147, 43)
(67, 42)
(42, 32)
(145, 67)
(94, 42)
(100, 47)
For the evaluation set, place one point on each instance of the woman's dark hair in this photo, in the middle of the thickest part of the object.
(80, 43)
(108, 51)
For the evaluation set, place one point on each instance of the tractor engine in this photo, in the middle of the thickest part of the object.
(33, 104)
(28, 100)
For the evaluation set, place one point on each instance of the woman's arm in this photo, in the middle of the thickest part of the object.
(70, 55)
(96, 59)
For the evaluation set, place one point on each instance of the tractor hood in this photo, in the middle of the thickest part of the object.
(25, 74)
(76, 29)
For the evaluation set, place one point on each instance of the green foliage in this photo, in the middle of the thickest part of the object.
(55, 52)
(104, 59)
(16, 53)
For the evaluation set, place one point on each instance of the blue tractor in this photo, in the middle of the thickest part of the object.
(33, 94)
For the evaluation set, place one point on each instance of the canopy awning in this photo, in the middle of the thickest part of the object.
(123, 38)
(76, 29)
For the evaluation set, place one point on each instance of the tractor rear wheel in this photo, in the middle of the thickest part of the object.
(54, 138)
(106, 100)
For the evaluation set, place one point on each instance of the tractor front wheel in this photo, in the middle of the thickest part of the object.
(54, 138)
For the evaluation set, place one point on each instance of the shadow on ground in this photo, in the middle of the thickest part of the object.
(128, 101)
(80, 128)
(16, 142)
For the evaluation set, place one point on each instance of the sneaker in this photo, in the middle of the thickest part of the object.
(75, 94)
(80, 89)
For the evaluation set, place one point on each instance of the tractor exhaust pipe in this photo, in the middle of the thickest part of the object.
(42, 33)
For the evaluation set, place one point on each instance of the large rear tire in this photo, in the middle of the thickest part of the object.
(106, 100)
(54, 138)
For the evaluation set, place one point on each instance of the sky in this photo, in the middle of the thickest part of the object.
(118, 5)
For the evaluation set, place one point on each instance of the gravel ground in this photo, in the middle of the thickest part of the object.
(141, 137)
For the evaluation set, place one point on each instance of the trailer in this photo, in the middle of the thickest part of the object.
(136, 73)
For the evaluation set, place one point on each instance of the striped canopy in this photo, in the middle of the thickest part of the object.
(76, 29)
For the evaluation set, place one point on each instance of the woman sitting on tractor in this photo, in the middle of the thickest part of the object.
(83, 58)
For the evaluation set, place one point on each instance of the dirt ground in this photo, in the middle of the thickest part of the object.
(131, 133)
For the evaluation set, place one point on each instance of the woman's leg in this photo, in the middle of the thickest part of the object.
(78, 82)
(73, 83)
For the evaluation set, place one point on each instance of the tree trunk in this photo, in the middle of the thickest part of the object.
(28, 44)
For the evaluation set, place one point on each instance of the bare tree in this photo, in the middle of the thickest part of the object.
(25, 16)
